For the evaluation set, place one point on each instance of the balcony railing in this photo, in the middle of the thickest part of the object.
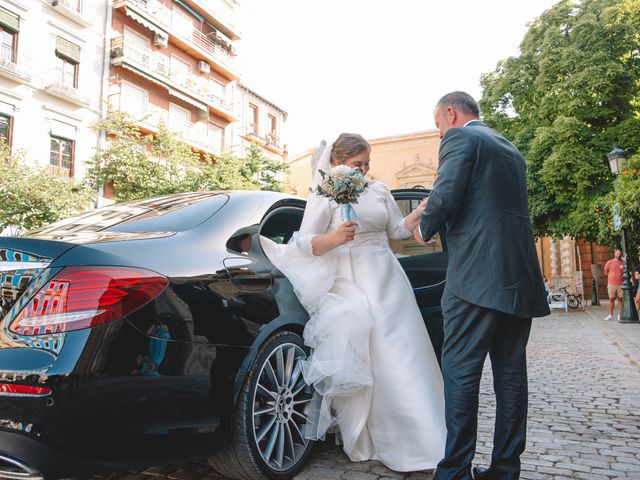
(159, 66)
(273, 139)
(15, 67)
(74, 6)
(150, 116)
(61, 84)
(71, 9)
(269, 139)
(210, 45)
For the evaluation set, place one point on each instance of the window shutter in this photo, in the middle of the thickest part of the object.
(68, 50)
(9, 20)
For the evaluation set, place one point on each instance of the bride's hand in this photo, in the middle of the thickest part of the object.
(345, 232)
(422, 205)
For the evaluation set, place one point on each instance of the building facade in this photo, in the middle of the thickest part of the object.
(174, 61)
(261, 122)
(53, 62)
(399, 161)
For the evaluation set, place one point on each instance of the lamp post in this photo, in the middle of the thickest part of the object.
(595, 278)
(629, 314)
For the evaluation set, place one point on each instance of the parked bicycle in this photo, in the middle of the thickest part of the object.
(563, 295)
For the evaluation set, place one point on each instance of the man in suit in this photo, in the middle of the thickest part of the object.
(494, 285)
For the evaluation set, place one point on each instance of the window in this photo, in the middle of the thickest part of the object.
(5, 129)
(136, 46)
(273, 130)
(181, 22)
(179, 120)
(216, 134)
(67, 62)
(217, 90)
(8, 41)
(61, 156)
(133, 100)
(68, 72)
(170, 213)
(410, 247)
(9, 27)
(180, 70)
(6, 123)
(253, 120)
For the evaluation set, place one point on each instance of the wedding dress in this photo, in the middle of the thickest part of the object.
(372, 363)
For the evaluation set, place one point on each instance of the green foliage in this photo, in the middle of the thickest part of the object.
(141, 166)
(566, 100)
(31, 198)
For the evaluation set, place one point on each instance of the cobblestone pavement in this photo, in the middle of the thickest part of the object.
(583, 416)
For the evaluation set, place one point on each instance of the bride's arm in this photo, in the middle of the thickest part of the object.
(399, 227)
(315, 223)
(412, 220)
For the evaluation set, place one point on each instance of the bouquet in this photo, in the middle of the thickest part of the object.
(343, 185)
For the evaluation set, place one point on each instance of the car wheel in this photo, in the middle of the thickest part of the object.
(270, 415)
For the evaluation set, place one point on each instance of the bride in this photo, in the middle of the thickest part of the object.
(372, 365)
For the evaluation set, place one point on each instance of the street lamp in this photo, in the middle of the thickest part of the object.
(629, 314)
(595, 278)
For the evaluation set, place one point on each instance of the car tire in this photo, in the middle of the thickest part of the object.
(267, 440)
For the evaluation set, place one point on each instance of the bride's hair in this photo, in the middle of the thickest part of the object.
(346, 146)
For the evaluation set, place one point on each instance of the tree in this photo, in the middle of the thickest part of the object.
(141, 166)
(31, 198)
(571, 94)
(265, 172)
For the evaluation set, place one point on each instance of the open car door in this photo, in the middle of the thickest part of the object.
(425, 265)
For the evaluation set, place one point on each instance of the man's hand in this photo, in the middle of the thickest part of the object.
(417, 234)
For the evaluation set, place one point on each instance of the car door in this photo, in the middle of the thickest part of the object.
(425, 266)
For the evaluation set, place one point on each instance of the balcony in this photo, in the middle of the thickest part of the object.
(221, 20)
(270, 140)
(157, 67)
(72, 9)
(60, 84)
(16, 68)
(210, 47)
(148, 117)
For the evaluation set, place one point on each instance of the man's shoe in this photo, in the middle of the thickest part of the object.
(618, 317)
(608, 317)
(480, 473)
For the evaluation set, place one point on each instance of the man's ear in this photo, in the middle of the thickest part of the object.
(453, 115)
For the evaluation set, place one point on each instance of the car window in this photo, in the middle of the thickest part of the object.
(170, 213)
(281, 224)
(409, 246)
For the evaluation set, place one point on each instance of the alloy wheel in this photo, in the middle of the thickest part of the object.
(281, 403)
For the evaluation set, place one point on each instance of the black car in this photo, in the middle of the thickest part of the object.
(157, 330)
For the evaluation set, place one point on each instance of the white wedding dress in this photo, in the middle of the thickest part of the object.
(372, 363)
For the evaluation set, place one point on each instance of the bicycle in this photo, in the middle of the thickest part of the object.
(563, 295)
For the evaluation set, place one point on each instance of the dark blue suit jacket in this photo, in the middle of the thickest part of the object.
(481, 196)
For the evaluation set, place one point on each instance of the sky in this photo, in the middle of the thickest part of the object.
(374, 67)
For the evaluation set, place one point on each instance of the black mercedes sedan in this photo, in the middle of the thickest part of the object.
(157, 330)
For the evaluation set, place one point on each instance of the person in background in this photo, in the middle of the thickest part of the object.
(614, 269)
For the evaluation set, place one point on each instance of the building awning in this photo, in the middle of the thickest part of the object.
(145, 22)
(63, 130)
(139, 71)
(172, 92)
(189, 100)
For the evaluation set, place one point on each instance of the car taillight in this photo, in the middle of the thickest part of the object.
(13, 390)
(84, 297)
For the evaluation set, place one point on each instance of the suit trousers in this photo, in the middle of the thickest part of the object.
(470, 333)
